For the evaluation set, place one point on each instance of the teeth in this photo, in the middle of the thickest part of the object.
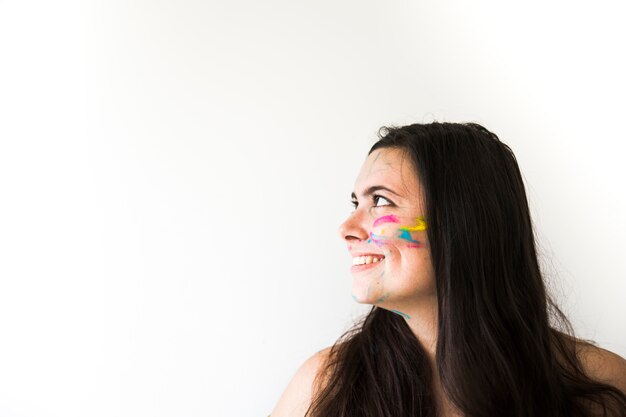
(361, 260)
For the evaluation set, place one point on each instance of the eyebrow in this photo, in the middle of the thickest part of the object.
(371, 190)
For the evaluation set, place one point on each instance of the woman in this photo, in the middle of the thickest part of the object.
(461, 324)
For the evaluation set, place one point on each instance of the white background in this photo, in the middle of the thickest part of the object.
(173, 174)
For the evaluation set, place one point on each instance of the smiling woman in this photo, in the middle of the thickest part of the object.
(461, 324)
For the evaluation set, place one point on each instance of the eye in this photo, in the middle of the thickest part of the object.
(377, 198)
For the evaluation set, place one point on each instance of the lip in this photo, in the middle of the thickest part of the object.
(378, 255)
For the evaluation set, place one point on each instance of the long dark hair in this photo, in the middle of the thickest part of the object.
(504, 348)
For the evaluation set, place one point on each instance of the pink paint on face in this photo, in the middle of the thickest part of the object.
(386, 219)
(415, 246)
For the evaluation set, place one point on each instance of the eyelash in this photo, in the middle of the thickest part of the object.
(375, 197)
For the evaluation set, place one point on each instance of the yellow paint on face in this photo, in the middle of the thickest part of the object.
(420, 226)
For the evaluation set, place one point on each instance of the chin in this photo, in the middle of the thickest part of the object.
(367, 295)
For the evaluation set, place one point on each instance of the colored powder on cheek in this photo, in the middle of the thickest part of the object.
(419, 245)
(404, 234)
(386, 219)
(420, 226)
(377, 239)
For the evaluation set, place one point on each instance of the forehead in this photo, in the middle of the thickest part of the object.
(390, 167)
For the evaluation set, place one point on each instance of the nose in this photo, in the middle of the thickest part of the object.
(353, 228)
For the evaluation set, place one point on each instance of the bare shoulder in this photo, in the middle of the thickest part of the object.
(603, 365)
(296, 399)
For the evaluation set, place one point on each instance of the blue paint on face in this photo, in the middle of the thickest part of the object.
(406, 235)
(377, 239)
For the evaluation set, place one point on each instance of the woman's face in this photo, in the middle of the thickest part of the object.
(389, 224)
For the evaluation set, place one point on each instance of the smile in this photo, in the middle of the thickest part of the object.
(361, 260)
(361, 265)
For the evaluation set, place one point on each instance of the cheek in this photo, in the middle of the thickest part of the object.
(412, 234)
(384, 230)
(416, 270)
(388, 230)
(384, 220)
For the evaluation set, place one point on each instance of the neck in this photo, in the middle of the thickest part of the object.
(423, 323)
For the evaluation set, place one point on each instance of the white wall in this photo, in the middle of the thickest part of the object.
(173, 173)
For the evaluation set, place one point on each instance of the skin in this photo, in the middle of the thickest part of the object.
(404, 282)
(393, 225)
